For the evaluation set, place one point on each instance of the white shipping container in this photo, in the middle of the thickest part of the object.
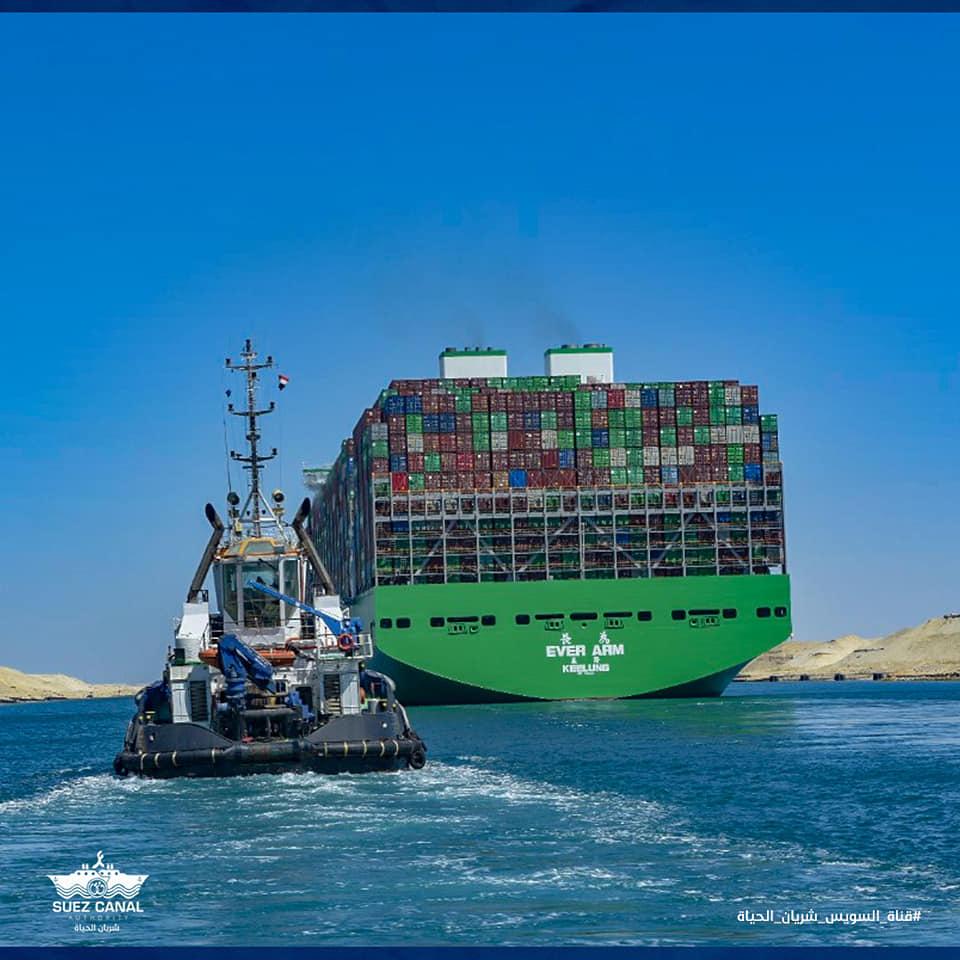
(632, 398)
(498, 440)
(668, 456)
(751, 433)
(548, 439)
(651, 456)
(735, 434)
(618, 457)
(685, 456)
(718, 434)
(415, 443)
(731, 396)
(378, 431)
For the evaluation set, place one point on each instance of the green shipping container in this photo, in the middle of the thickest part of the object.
(565, 439)
(481, 422)
(634, 457)
(601, 457)
(734, 415)
(635, 475)
(634, 437)
(701, 436)
(618, 476)
(768, 423)
(431, 462)
(684, 416)
(379, 448)
(668, 436)
(498, 422)
(414, 423)
(481, 442)
(718, 415)
(616, 419)
(734, 453)
(618, 438)
(584, 438)
(735, 472)
(464, 404)
(548, 420)
(416, 481)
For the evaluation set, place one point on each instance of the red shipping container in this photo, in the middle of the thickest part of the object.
(533, 460)
(400, 482)
(514, 402)
(532, 440)
(380, 465)
(431, 443)
(499, 460)
(482, 480)
(616, 399)
(751, 453)
(651, 475)
(651, 436)
(397, 443)
(448, 442)
(702, 473)
(465, 461)
(650, 417)
(498, 402)
(565, 400)
(447, 403)
(701, 416)
(415, 462)
(464, 441)
(749, 394)
(550, 460)
(567, 478)
(548, 401)
(481, 461)
(701, 456)
(448, 462)
(517, 460)
(515, 440)
(683, 394)
(397, 423)
(565, 420)
(687, 474)
(599, 419)
(684, 436)
(501, 480)
(465, 481)
(463, 422)
(535, 479)
(431, 481)
(515, 420)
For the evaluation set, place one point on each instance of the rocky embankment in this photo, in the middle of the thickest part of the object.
(930, 651)
(16, 687)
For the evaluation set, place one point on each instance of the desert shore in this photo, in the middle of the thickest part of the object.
(930, 651)
(17, 687)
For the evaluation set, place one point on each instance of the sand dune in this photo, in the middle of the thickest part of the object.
(16, 686)
(930, 650)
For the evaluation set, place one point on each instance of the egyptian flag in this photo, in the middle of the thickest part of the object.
(284, 380)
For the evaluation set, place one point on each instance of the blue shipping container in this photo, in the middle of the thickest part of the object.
(531, 420)
(398, 463)
(518, 478)
(648, 397)
(752, 472)
(566, 459)
(394, 405)
(413, 404)
(446, 422)
(431, 423)
(600, 437)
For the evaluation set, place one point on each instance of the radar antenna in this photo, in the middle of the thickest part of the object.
(253, 461)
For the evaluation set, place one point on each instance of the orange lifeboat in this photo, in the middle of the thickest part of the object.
(275, 656)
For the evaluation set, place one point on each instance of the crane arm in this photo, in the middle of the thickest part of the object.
(336, 626)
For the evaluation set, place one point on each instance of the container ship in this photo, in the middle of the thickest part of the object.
(563, 536)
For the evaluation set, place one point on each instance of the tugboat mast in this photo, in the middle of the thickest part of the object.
(253, 460)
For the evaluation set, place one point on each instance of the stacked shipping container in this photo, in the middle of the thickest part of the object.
(545, 477)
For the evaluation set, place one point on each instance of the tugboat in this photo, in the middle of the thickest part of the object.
(275, 679)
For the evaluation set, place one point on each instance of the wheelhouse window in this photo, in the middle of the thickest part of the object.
(260, 609)
(230, 590)
(291, 586)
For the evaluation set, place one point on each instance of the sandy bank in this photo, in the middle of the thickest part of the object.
(16, 686)
(928, 651)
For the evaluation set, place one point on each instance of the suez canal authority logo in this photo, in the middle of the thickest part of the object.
(596, 652)
(97, 890)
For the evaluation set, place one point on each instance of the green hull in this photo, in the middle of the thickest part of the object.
(597, 648)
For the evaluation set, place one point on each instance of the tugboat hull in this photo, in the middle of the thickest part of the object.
(190, 750)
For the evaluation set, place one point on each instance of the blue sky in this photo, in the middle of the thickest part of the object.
(771, 198)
